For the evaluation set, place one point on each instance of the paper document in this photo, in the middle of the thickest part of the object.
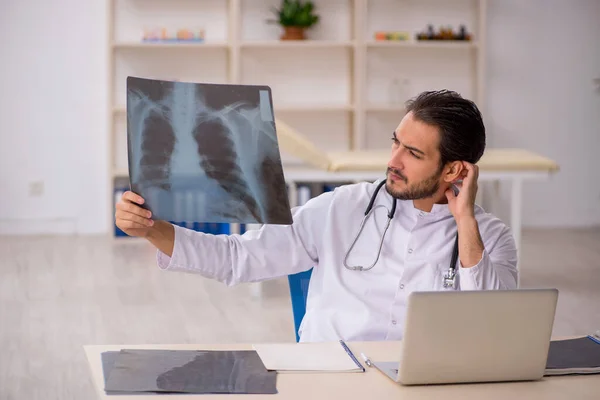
(306, 357)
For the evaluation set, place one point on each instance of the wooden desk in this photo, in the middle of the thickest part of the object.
(372, 384)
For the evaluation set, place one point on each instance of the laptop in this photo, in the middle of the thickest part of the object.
(474, 336)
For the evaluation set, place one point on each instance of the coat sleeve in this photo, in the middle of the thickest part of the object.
(497, 268)
(269, 252)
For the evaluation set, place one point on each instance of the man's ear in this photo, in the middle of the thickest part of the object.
(454, 171)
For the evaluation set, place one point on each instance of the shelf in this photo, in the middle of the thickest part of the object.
(335, 87)
(385, 107)
(171, 45)
(268, 44)
(287, 108)
(314, 107)
(434, 44)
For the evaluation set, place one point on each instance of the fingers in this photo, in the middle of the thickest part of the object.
(471, 169)
(126, 225)
(129, 217)
(130, 196)
(461, 177)
(130, 208)
(450, 195)
(470, 173)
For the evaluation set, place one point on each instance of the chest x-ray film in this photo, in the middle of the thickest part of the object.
(145, 371)
(205, 152)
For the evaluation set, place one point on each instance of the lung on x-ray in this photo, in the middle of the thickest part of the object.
(205, 152)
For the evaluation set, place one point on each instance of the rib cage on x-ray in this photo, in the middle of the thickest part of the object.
(205, 152)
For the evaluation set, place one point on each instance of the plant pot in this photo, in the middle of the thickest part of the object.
(293, 33)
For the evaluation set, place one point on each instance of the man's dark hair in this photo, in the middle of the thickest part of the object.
(462, 132)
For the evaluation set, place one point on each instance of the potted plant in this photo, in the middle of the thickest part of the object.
(295, 16)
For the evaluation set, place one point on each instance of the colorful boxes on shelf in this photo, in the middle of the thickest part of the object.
(179, 35)
(396, 36)
(444, 33)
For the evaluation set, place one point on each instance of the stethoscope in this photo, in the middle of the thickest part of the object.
(449, 275)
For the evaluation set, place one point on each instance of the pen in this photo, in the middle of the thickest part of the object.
(595, 337)
(367, 361)
(358, 364)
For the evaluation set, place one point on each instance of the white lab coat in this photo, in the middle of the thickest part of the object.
(345, 304)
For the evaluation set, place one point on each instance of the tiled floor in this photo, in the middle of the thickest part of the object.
(60, 293)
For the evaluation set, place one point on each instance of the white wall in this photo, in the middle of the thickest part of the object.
(542, 57)
(539, 96)
(53, 115)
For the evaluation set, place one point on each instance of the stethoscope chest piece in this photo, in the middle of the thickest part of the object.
(450, 278)
(450, 275)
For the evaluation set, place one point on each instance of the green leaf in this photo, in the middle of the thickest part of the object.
(296, 13)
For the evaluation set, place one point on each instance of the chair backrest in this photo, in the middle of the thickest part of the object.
(299, 291)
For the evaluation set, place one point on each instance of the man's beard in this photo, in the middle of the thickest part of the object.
(421, 190)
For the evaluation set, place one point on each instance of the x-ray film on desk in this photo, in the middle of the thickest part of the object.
(203, 152)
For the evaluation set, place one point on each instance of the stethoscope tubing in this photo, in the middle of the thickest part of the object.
(449, 277)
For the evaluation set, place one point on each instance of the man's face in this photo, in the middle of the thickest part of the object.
(414, 170)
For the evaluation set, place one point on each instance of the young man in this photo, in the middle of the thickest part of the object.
(364, 272)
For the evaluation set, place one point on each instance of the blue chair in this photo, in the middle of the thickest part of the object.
(299, 291)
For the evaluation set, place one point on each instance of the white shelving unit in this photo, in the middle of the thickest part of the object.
(334, 87)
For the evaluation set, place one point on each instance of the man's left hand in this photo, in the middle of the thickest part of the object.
(463, 205)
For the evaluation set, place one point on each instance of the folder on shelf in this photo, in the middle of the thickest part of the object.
(308, 357)
(574, 356)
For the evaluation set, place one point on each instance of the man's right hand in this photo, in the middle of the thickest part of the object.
(131, 218)
(134, 220)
